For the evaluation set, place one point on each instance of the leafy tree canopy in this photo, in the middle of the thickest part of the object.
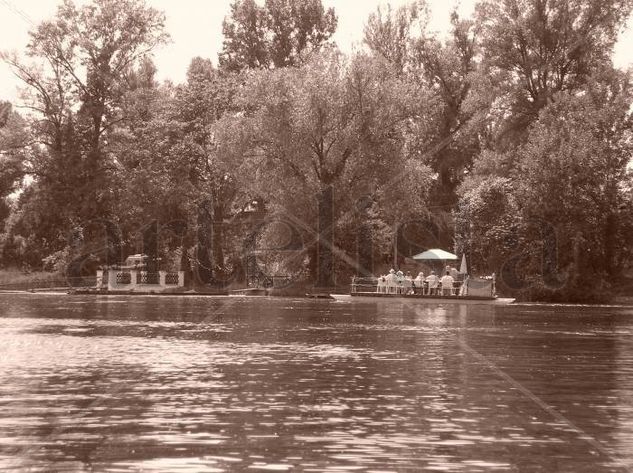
(14, 142)
(536, 48)
(273, 35)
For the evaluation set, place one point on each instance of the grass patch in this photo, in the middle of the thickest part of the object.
(15, 276)
(16, 280)
(623, 290)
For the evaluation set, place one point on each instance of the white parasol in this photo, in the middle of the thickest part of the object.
(434, 254)
(463, 268)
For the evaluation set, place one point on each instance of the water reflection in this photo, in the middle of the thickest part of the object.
(239, 384)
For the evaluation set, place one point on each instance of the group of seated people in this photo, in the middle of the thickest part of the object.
(399, 283)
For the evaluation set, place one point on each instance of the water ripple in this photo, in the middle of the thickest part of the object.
(238, 384)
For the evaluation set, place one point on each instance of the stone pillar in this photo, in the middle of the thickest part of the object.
(181, 278)
(162, 275)
(112, 279)
(99, 283)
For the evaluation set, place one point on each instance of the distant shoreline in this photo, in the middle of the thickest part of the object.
(617, 302)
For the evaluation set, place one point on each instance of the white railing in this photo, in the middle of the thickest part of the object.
(134, 279)
(472, 286)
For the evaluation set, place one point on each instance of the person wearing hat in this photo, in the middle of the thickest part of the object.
(392, 282)
(381, 284)
(432, 280)
(400, 281)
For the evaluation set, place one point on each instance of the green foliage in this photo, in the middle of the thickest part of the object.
(445, 130)
(390, 33)
(557, 137)
(176, 166)
(516, 122)
(535, 49)
(76, 87)
(244, 37)
(452, 128)
(273, 35)
(333, 123)
(564, 204)
(14, 147)
(213, 167)
(571, 170)
(486, 223)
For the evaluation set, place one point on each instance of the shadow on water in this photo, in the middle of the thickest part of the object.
(256, 384)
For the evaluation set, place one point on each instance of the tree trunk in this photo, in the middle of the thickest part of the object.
(150, 246)
(610, 244)
(185, 264)
(325, 242)
(365, 262)
(113, 243)
(204, 263)
(365, 251)
(95, 179)
(217, 241)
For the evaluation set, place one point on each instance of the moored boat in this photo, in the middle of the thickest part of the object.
(420, 299)
(465, 291)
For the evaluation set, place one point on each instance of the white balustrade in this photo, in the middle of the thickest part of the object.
(130, 280)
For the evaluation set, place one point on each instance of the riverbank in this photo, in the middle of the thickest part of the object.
(296, 290)
(16, 276)
(41, 281)
(13, 279)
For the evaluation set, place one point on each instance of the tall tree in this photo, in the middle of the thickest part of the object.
(390, 33)
(557, 140)
(445, 132)
(331, 130)
(201, 104)
(14, 141)
(297, 26)
(534, 49)
(150, 180)
(245, 44)
(275, 34)
(176, 166)
(571, 173)
(83, 56)
(14, 149)
(449, 133)
(562, 210)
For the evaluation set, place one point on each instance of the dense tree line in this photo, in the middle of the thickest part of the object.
(507, 139)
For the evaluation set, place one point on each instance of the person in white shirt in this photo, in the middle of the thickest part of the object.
(447, 284)
(392, 282)
(419, 283)
(381, 285)
(407, 284)
(433, 281)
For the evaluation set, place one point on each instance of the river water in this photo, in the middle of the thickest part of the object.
(189, 384)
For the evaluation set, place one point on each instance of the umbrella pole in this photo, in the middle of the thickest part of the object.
(395, 253)
(395, 249)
